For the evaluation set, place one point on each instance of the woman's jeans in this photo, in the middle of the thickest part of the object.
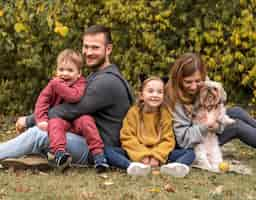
(243, 129)
(117, 157)
(35, 141)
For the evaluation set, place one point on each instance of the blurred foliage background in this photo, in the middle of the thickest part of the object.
(148, 36)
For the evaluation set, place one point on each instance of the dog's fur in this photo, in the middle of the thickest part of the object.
(210, 105)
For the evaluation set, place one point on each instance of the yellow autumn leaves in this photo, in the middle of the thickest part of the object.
(19, 27)
(61, 29)
(1, 13)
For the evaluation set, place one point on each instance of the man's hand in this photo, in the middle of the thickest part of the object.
(21, 124)
(43, 126)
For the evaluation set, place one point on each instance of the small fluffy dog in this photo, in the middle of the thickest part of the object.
(210, 106)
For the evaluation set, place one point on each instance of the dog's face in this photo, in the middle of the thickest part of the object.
(211, 94)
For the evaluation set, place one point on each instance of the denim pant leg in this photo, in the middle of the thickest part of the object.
(117, 157)
(240, 113)
(239, 130)
(35, 141)
(184, 156)
(32, 141)
(78, 148)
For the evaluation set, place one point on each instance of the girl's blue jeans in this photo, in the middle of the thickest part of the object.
(117, 157)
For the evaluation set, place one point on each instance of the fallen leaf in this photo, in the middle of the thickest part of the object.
(154, 190)
(169, 188)
(87, 195)
(22, 188)
(104, 176)
(3, 192)
(241, 169)
(155, 172)
(108, 183)
(43, 173)
(218, 190)
(236, 162)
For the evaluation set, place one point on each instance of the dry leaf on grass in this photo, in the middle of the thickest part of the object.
(22, 188)
(3, 192)
(104, 176)
(218, 190)
(154, 190)
(155, 172)
(240, 169)
(43, 173)
(108, 183)
(87, 195)
(169, 188)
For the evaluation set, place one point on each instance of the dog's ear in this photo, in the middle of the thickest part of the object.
(223, 94)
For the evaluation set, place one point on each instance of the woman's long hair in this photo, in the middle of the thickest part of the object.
(186, 65)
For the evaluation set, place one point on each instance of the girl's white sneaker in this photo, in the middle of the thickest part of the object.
(175, 169)
(138, 169)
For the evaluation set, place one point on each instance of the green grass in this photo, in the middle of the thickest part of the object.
(85, 184)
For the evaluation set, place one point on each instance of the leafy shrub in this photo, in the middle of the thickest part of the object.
(148, 36)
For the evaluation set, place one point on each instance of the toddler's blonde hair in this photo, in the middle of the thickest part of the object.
(70, 55)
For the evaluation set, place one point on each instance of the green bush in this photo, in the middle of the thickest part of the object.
(148, 36)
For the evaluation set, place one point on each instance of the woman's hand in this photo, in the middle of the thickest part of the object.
(21, 124)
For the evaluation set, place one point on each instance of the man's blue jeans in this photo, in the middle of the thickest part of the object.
(35, 141)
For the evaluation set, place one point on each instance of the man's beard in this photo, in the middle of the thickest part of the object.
(96, 66)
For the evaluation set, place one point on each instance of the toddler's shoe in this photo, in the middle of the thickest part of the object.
(61, 160)
(100, 163)
(175, 169)
(138, 169)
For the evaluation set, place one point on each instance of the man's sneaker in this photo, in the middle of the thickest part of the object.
(100, 163)
(138, 169)
(175, 169)
(61, 160)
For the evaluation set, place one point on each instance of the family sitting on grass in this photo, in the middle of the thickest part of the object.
(80, 121)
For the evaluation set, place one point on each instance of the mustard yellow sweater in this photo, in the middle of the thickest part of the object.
(141, 141)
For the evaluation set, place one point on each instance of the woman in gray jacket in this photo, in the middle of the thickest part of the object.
(186, 77)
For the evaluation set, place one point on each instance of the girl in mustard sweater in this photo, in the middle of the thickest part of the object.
(147, 138)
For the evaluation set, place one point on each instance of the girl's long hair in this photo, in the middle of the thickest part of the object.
(186, 65)
(140, 103)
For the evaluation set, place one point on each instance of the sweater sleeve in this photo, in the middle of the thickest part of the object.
(30, 121)
(167, 143)
(187, 134)
(128, 136)
(43, 104)
(69, 93)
